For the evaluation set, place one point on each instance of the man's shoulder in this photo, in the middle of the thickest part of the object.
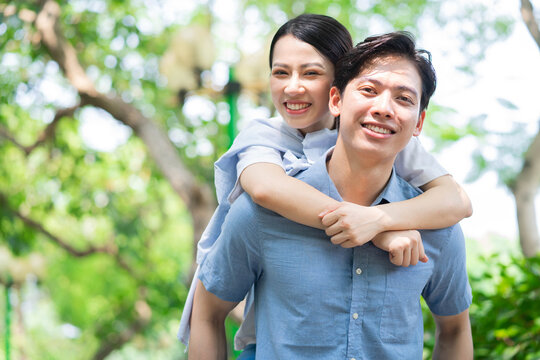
(317, 176)
(245, 209)
(408, 191)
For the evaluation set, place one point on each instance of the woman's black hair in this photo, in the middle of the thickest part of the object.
(324, 33)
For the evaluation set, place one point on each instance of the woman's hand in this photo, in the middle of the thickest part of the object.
(404, 247)
(351, 225)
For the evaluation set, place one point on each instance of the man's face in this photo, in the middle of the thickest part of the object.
(380, 108)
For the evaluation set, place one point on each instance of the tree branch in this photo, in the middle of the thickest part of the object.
(527, 13)
(60, 50)
(47, 133)
(117, 340)
(198, 197)
(6, 135)
(51, 127)
(63, 244)
(109, 249)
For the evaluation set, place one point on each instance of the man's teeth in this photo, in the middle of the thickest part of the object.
(297, 106)
(377, 129)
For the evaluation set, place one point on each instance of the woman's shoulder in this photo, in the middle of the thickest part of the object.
(270, 124)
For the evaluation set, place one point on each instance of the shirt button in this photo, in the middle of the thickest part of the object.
(358, 271)
(355, 316)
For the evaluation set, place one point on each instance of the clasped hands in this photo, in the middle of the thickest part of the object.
(350, 225)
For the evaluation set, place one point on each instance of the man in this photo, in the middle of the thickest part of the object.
(317, 300)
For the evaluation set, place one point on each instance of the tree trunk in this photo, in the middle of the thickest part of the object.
(525, 190)
(526, 185)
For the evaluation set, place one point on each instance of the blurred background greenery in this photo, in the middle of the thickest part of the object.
(111, 116)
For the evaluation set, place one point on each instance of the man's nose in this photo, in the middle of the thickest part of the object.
(382, 105)
(294, 85)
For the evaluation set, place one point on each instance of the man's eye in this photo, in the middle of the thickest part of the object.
(406, 99)
(367, 90)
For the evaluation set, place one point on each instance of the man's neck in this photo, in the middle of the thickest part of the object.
(358, 178)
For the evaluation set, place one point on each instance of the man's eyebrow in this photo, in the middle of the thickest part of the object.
(399, 87)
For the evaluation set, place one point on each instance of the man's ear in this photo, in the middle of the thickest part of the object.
(419, 123)
(334, 104)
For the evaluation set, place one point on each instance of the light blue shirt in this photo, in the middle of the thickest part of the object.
(317, 300)
(273, 141)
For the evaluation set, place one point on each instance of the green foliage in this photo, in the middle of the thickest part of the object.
(505, 314)
(479, 26)
(358, 18)
(86, 199)
(501, 152)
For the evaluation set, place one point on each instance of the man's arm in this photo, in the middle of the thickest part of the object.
(453, 337)
(207, 339)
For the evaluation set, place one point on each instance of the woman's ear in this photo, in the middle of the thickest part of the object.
(334, 104)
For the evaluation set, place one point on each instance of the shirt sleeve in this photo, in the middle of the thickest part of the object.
(233, 264)
(250, 156)
(416, 165)
(448, 291)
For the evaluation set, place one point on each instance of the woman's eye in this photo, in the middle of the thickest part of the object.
(311, 73)
(278, 72)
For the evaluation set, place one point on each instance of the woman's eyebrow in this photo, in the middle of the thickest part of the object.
(283, 65)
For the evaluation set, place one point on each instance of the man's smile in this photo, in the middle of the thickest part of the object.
(377, 129)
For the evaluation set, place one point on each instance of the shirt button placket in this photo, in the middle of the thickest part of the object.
(359, 288)
(358, 271)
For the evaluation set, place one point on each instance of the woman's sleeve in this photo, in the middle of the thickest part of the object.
(416, 165)
(250, 156)
(259, 133)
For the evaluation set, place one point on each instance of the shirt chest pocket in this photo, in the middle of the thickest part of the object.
(401, 320)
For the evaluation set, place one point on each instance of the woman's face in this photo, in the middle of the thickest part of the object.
(300, 83)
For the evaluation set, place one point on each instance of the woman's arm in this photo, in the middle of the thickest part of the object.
(443, 204)
(270, 187)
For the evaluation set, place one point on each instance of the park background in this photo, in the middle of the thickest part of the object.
(113, 112)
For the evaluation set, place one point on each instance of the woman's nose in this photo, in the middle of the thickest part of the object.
(294, 86)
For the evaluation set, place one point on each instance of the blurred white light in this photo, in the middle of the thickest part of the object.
(100, 131)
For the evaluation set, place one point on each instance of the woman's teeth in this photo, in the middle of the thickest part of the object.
(296, 106)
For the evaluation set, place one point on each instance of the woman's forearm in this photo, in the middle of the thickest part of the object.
(270, 187)
(443, 204)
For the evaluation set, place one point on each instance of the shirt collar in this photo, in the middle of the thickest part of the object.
(396, 188)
